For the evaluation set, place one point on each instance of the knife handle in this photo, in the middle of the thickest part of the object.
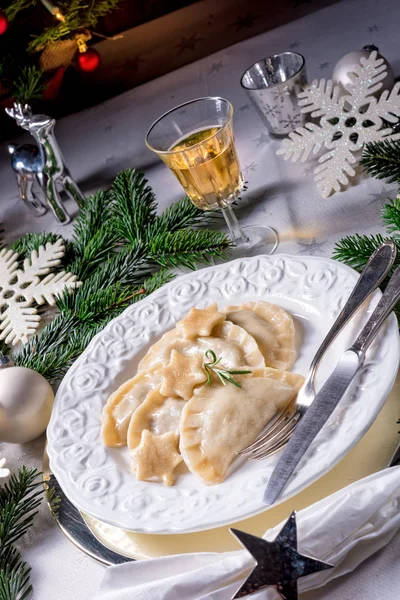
(386, 304)
(372, 276)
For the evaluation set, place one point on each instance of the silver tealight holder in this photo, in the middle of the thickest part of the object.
(272, 84)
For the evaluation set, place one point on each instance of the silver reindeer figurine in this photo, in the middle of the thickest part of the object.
(47, 167)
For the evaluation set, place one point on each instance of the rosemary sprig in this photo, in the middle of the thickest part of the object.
(224, 375)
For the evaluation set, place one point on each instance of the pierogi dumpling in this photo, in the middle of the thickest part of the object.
(271, 327)
(119, 407)
(220, 420)
(231, 343)
(157, 414)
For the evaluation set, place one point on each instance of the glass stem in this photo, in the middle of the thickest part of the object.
(237, 234)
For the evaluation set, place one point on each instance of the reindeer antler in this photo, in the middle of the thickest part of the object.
(20, 113)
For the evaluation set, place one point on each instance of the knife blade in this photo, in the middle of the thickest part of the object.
(331, 393)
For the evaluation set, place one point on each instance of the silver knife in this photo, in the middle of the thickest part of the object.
(331, 392)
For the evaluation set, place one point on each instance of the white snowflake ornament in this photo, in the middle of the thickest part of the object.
(347, 122)
(21, 288)
(4, 472)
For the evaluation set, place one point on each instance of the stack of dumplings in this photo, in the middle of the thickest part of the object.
(173, 410)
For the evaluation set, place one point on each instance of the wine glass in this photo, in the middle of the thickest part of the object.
(195, 140)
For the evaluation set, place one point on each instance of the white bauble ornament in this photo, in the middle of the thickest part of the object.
(342, 68)
(26, 400)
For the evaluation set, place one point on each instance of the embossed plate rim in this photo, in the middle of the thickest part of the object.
(146, 516)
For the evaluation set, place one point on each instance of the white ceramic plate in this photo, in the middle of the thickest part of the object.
(98, 480)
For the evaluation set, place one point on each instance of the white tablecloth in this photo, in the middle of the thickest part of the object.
(101, 141)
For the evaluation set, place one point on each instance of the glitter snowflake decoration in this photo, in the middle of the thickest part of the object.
(347, 123)
(4, 472)
(22, 288)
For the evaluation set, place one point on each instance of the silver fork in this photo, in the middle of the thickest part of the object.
(280, 430)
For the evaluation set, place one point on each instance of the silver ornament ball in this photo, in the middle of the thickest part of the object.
(341, 70)
(26, 400)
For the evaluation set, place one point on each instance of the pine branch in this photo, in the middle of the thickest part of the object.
(29, 85)
(40, 351)
(32, 241)
(78, 14)
(382, 160)
(183, 214)
(157, 280)
(187, 247)
(355, 250)
(19, 500)
(94, 238)
(14, 576)
(391, 217)
(15, 7)
(134, 206)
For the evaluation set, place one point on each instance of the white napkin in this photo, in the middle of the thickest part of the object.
(343, 529)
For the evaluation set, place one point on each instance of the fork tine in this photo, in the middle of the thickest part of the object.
(266, 439)
(269, 446)
(272, 431)
(278, 425)
(270, 449)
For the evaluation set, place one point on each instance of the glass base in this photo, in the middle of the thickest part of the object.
(261, 239)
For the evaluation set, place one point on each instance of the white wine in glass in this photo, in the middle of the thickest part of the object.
(195, 140)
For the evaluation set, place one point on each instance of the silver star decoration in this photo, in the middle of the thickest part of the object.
(373, 28)
(216, 67)
(262, 139)
(382, 196)
(313, 247)
(244, 107)
(278, 563)
(324, 66)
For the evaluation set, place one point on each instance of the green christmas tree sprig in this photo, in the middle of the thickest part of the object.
(122, 250)
(380, 160)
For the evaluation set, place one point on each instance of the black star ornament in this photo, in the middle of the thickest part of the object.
(278, 563)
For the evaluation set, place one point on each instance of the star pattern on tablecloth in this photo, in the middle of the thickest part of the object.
(294, 45)
(381, 197)
(244, 107)
(245, 22)
(324, 65)
(373, 28)
(308, 171)
(250, 167)
(216, 67)
(108, 128)
(132, 64)
(262, 139)
(312, 247)
(188, 43)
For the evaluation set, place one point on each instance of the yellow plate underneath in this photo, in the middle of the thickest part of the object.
(372, 453)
